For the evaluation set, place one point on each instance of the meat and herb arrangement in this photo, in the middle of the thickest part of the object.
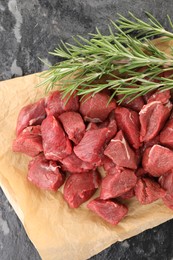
(70, 141)
(113, 111)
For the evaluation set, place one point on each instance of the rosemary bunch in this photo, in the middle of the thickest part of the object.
(119, 56)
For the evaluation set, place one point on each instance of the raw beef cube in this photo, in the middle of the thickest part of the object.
(152, 118)
(29, 141)
(115, 185)
(114, 170)
(128, 195)
(166, 183)
(90, 148)
(148, 190)
(166, 135)
(120, 152)
(108, 165)
(56, 145)
(162, 96)
(45, 174)
(111, 125)
(73, 125)
(29, 115)
(111, 211)
(56, 105)
(73, 164)
(79, 187)
(128, 122)
(136, 104)
(96, 108)
(157, 160)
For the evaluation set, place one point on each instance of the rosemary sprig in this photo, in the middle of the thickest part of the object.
(89, 60)
(143, 29)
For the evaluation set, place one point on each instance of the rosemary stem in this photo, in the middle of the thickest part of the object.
(137, 60)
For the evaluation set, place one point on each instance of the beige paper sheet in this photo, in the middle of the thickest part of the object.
(57, 231)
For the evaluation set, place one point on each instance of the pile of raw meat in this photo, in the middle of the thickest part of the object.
(68, 140)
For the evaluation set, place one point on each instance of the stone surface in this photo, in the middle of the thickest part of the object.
(28, 30)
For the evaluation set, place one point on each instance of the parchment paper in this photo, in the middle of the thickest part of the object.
(57, 231)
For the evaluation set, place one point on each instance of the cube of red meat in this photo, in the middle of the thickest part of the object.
(111, 125)
(29, 115)
(162, 96)
(120, 152)
(166, 183)
(111, 211)
(73, 125)
(128, 122)
(90, 148)
(152, 119)
(79, 187)
(166, 135)
(56, 145)
(96, 108)
(157, 160)
(73, 164)
(108, 165)
(128, 195)
(148, 190)
(55, 104)
(45, 174)
(115, 185)
(29, 141)
(136, 104)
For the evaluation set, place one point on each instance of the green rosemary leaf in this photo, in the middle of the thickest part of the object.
(133, 63)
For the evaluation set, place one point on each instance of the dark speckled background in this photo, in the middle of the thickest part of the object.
(28, 30)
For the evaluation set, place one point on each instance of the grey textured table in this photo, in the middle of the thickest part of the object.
(28, 30)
